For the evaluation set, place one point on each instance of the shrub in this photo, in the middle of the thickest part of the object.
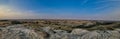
(15, 22)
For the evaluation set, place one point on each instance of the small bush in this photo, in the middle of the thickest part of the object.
(15, 22)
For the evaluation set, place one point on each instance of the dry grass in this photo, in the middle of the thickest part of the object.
(67, 25)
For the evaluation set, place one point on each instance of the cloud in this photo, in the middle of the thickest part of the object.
(8, 12)
(84, 2)
(114, 15)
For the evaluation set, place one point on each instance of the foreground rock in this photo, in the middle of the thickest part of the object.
(21, 32)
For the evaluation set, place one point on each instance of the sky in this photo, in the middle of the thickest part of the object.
(60, 9)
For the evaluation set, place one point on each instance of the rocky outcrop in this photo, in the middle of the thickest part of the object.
(21, 32)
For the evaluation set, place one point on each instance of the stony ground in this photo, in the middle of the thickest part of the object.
(59, 29)
(21, 32)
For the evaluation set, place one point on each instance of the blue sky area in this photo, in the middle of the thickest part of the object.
(73, 9)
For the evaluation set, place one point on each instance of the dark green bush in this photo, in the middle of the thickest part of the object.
(15, 22)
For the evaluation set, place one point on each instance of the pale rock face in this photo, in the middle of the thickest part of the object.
(78, 31)
(60, 31)
(19, 32)
(48, 30)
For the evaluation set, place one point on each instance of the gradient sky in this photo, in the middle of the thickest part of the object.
(60, 9)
